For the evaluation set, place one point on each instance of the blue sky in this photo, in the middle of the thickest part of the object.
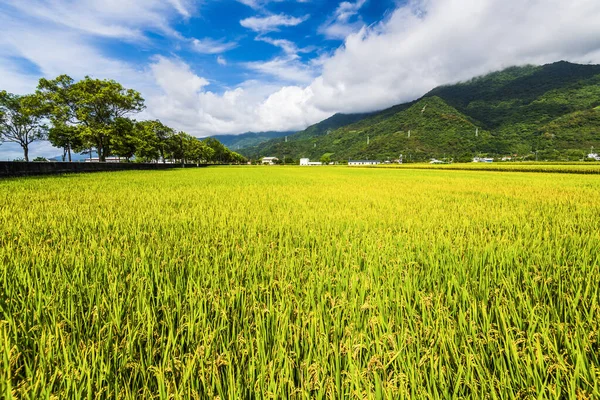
(232, 66)
(228, 41)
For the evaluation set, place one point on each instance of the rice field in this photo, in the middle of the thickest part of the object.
(543, 167)
(288, 282)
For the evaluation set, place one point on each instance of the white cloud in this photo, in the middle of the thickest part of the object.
(261, 4)
(123, 19)
(212, 46)
(253, 106)
(286, 69)
(341, 23)
(271, 22)
(221, 61)
(287, 46)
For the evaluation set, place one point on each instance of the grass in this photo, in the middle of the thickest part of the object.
(288, 282)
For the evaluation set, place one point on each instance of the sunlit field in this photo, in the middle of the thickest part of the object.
(543, 167)
(289, 282)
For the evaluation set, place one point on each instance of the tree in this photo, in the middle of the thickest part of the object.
(197, 151)
(66, 137)
(93, 104)
(157, 135)
(326, 159)
(219, 150)
(21, 120)
(125, 140)
(221, 153)
(60, 109)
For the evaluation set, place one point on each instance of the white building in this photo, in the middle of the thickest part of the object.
(594, 156)
(483, 160)
(307, 163)
(269, 160)
(363, 162)
(108, 159)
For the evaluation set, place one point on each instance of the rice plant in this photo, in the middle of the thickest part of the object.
(286, 282)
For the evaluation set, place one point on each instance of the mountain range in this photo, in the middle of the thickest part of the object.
(248, 139)
(552, 111)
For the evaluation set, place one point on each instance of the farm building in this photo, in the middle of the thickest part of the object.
(483, 160)
(363, 162)
(269, 160)
(306, 162)
(108, 159)
(594, 156)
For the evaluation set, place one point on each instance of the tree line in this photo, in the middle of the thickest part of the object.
(93, 115)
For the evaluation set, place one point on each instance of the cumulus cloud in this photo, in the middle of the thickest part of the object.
(271, 22)
(184, 103)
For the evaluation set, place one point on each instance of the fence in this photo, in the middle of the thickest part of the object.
(13, 168)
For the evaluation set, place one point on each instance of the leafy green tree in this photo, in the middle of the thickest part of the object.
(220, 152)
(126, 139)
(93, 104)
(157, 136)
(66, 137)
(326, 159)
(60, 109)
(148, 148)
(21, 120)
(197, 151)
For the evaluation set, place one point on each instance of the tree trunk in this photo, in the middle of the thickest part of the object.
(69, 148)
(26, 152)
(64, 154)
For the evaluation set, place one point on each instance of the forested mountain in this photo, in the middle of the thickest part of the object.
(290, 148)
(552, 109)
(248, 139)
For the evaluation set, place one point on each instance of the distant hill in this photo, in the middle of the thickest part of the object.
(249, 139)
(280, 147)
(552, 109)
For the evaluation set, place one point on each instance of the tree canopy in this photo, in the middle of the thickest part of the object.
(21, 120)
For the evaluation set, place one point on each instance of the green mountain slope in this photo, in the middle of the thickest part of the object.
(298, 140)
(552, 109)
(248, 139)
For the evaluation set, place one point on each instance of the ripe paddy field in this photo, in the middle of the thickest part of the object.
(288, 282)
